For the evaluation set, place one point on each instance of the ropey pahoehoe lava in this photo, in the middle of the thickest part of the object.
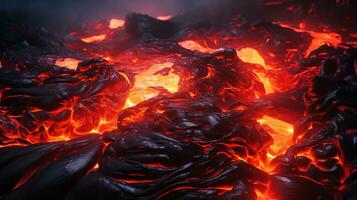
(188, 106)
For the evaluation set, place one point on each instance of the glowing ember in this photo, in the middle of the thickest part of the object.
(96, 166)
(116, 23)
(70, 63)
(146, 81)
(166, 17)
(280, 131)
(94, 38)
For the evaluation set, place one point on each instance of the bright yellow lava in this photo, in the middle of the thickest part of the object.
(250, 55)
(94, 38)
(116, 23)
(146, 80)
(281, 132)
(195, 46)
(70, 63)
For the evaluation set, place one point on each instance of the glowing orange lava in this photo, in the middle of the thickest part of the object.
(70, 63)
(116, 23)
(281, 132)
(147, 80)
(319, 38)
(94, 38)
(195, 46)
(104, 125)
(263, 195)
(250, 55)
(164, 18)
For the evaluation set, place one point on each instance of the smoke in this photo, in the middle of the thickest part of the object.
(71, 13)
(62, 13)
(59, 12)
(72, 10)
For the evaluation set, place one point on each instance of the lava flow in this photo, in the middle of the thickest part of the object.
(181, 107)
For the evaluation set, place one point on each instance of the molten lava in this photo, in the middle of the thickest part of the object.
(195, 46)
(250, 55)
(69, 63)
(318, 38)
(94, 38)
(241, 113)
(150, 81)
(116, 23)
(281, 132)
(164, 17)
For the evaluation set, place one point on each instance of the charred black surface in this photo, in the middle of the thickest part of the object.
(202, 142)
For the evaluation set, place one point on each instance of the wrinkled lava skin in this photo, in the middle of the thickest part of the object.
(171, 108)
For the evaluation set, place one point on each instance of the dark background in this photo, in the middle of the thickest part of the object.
(70, 11)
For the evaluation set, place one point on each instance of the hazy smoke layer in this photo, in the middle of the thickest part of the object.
(71, 10)
(61, 13)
